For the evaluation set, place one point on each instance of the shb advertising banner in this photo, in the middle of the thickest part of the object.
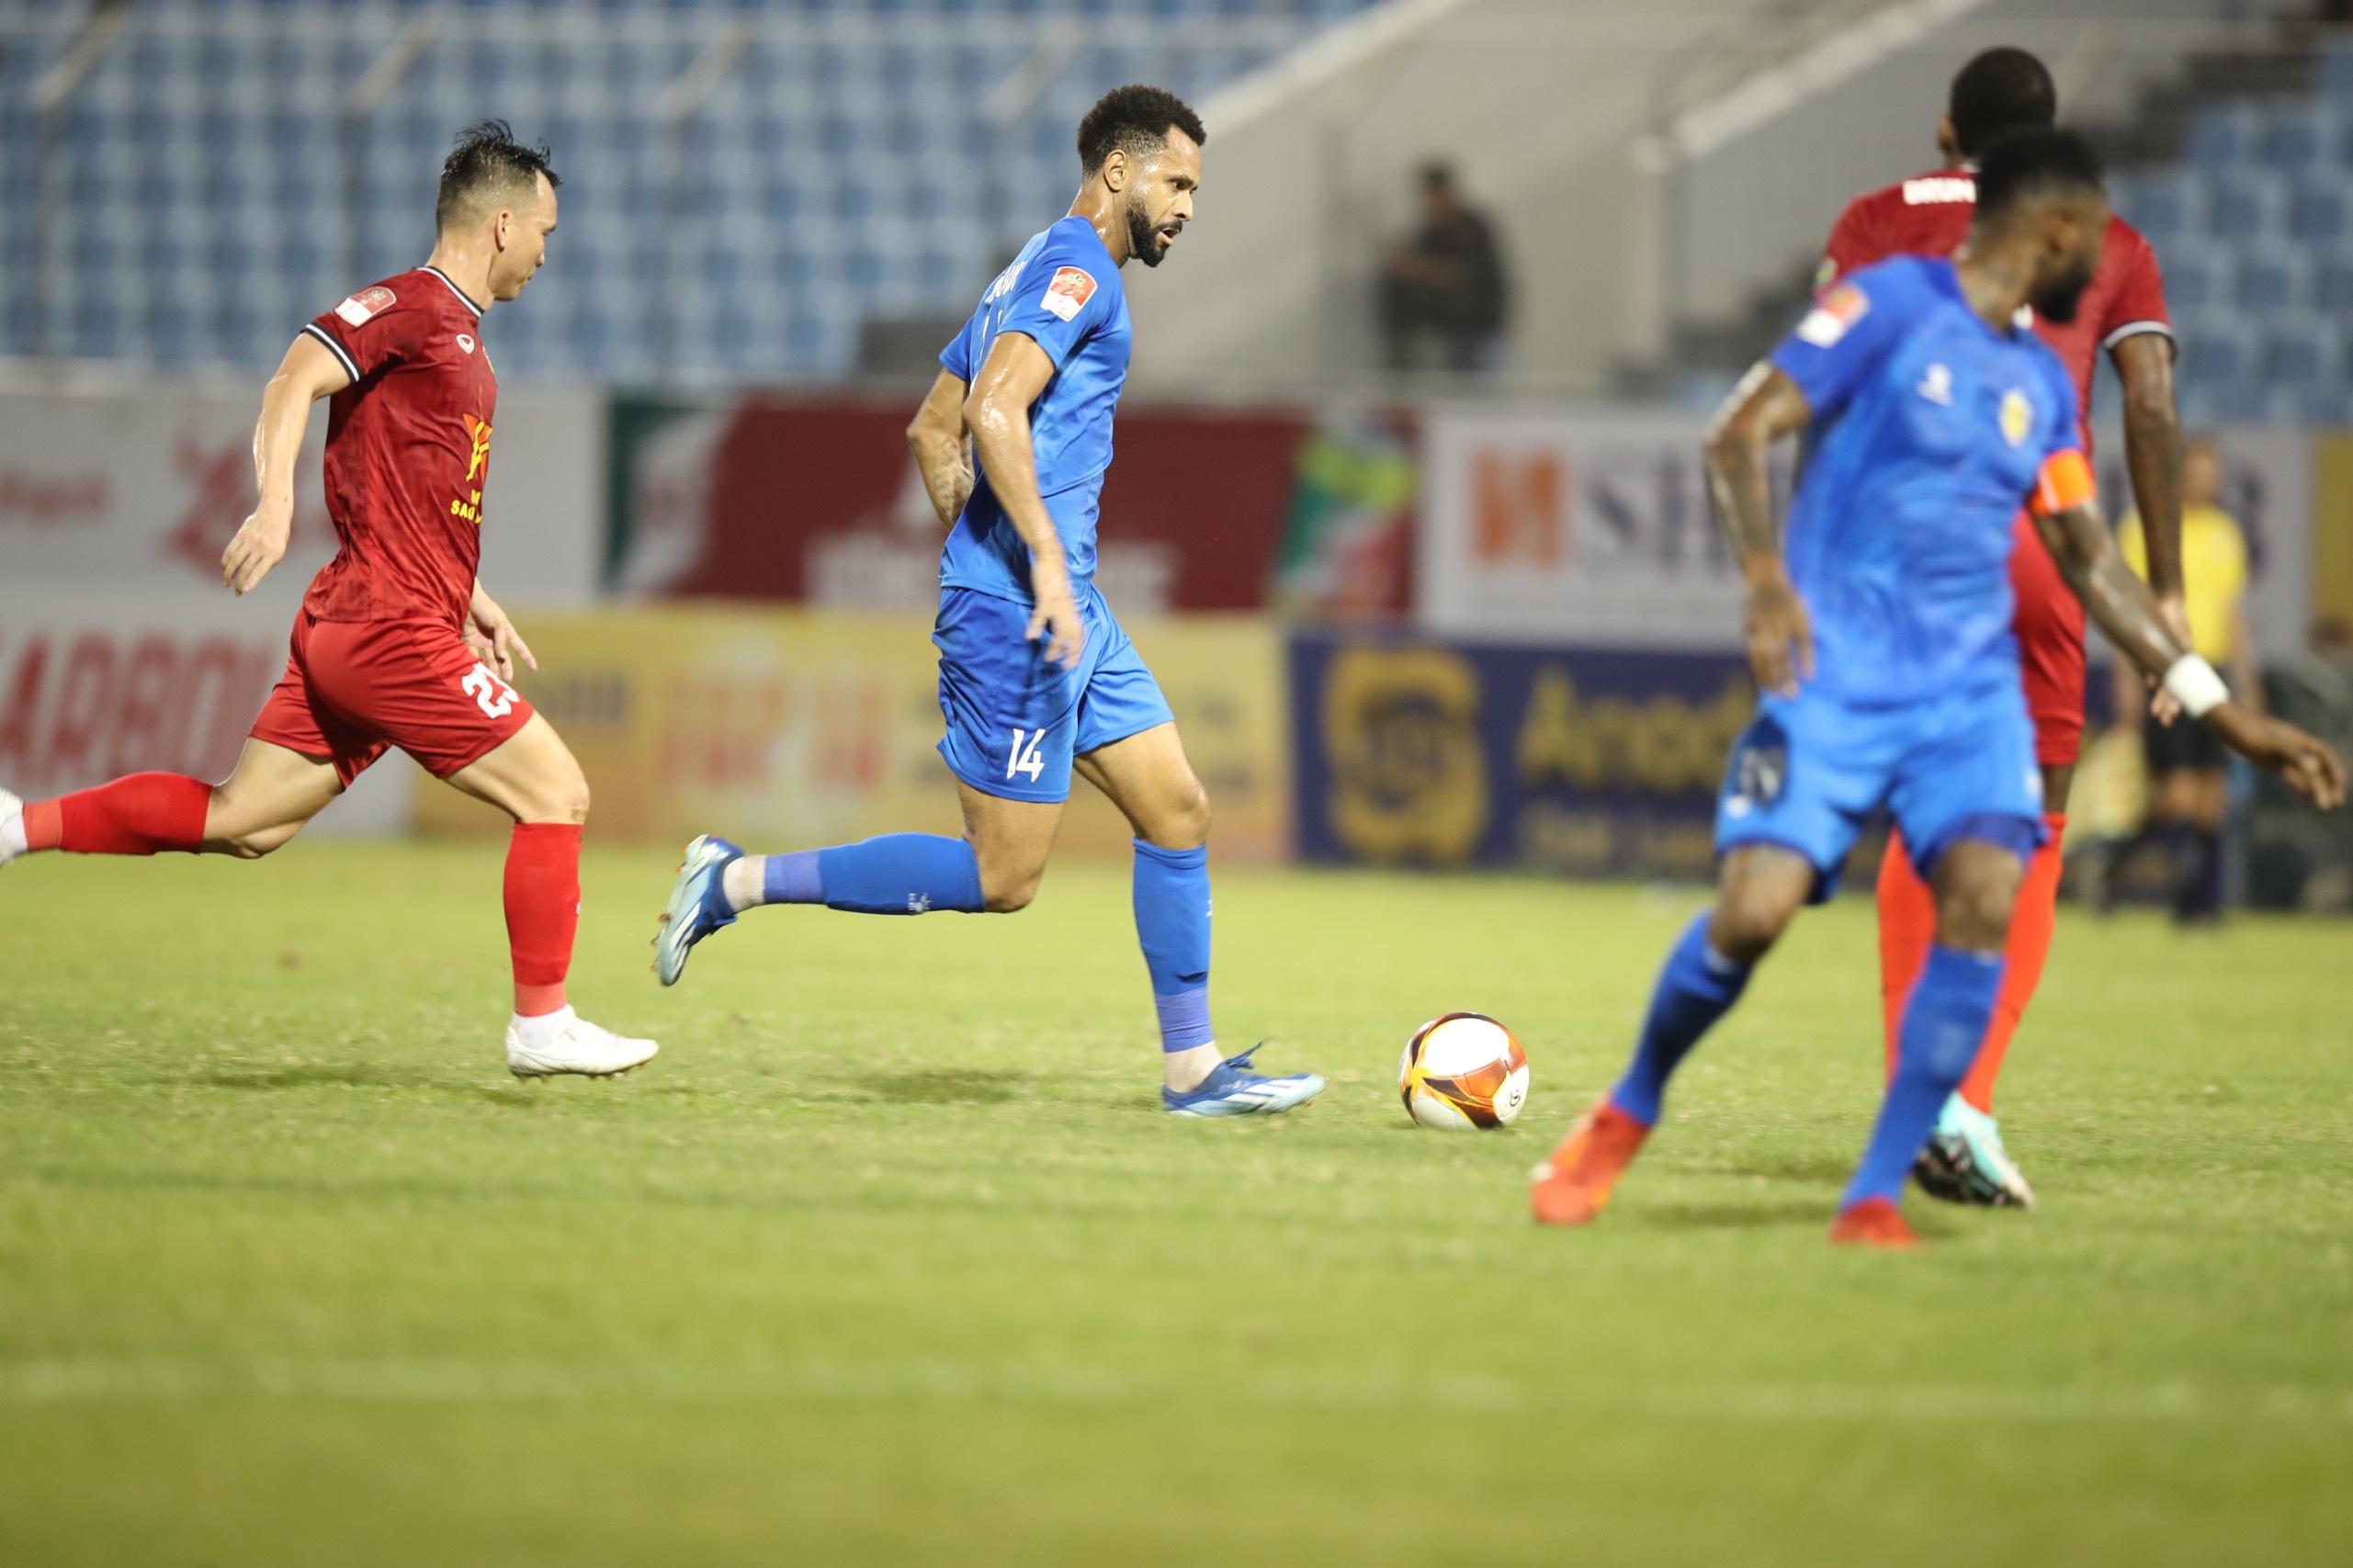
(1596, 527)
(1593, 527)
(1435, 753)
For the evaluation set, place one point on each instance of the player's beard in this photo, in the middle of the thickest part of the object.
(2058, 300)
(1144, 236)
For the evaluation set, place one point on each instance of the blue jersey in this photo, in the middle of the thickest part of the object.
(1062, 291)
(1931, 430)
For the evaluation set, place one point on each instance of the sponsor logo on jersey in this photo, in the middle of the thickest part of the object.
(468, 507)
(2017, 417)
(365, 303)
(465, 342)
(1937, 385)
(1834, 311)
(1938, 189)
(480, 432)
(1068, 293)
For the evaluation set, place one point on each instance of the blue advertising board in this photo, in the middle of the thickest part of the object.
(1587, 761)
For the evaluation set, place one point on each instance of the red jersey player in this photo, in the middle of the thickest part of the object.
(2123, 312)
(397, 643)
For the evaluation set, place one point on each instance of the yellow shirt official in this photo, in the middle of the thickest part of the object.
(2214, 574)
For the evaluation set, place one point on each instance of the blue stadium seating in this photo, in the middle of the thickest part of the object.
(204, 187)
(2254, 227)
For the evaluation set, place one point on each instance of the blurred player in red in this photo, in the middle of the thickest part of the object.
(397, 643)
(2124, 312)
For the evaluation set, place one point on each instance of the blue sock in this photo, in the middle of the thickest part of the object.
(1698, 985)
(898, 873)
(1943, 1025)
(1172, 893)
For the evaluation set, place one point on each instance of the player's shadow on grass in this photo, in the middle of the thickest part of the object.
(1820, 1171)
(1731, 1216)
(317, 1074)
(935, 1086)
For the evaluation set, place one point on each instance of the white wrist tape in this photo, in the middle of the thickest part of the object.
(2191, 681)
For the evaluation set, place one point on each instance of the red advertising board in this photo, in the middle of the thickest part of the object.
(816, 501)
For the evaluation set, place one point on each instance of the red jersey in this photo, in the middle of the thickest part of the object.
(1930, 215)
(408, 452)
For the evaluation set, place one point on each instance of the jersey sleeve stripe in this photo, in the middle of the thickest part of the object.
(351, 368)
(2134, 328)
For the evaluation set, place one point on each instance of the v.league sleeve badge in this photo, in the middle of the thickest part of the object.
(1068, 293)
(364, 304)
(1837, 310)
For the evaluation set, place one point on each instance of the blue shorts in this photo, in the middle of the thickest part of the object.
(1810, 770)
(1014, 720)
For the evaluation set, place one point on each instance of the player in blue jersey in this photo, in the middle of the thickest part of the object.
(1882, 643)
(1037, 678)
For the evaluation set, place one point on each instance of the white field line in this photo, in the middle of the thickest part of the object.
(69, 1381)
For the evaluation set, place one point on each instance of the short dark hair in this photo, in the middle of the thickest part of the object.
(2034, 163)
(487, 159)
(2002, 90)
(1437, 174)
(1137, 120)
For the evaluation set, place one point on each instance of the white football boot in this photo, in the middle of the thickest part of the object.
(9, 806)
(566, 1043)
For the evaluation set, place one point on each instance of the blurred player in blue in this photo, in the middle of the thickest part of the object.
(1883, 647)
(1037, 678)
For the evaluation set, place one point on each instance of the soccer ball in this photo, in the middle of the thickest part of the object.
(1463, 1070)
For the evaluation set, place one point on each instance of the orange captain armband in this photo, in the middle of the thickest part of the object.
(2064, 482)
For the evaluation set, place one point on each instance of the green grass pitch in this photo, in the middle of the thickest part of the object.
(890, 1257)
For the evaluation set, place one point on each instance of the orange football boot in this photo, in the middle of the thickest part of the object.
(1874, 1222)
(1573, 1187)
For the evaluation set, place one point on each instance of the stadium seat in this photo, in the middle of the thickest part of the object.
(2301, 356)
(2333, 281)
(2332, 74)
(198, 130)
(2293, 136)
(2214, 350)
(2271, 281)
(2193, 274)
(2320, 206)
(2245, 202)
(2220, 136)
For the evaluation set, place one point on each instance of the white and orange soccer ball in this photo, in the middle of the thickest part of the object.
(1462, 1071)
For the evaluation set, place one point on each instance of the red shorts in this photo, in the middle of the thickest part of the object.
(355, 689)
(2050, 625)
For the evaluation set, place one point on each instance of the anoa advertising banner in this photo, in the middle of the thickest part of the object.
(1418, 751)
(815, 500)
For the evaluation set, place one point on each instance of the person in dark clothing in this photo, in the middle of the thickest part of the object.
(1444, 286)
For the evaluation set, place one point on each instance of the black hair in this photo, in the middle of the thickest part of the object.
(487, 158)
(2001, 90)
(1137, 120)
(2034, 163)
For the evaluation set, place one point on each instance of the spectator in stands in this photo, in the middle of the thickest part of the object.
(2189, 771)
(1444, 286)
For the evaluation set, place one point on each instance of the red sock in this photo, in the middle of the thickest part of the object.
(138, 815)
(2033, 924)
(542, 911)
(1907, 928)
